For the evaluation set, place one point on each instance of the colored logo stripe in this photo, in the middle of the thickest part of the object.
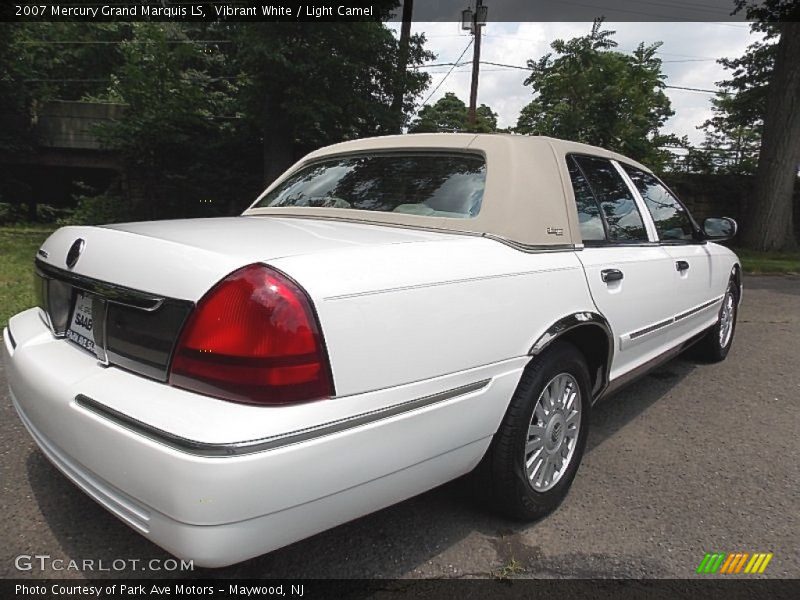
(734, 562)
(728, 562)
(758, 563)
(737, 562)
(711, 562)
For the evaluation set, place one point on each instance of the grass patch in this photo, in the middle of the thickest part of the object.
(509, 571)
(769, 262)
(18, 247)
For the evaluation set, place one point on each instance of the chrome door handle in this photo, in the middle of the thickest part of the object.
(609, 275)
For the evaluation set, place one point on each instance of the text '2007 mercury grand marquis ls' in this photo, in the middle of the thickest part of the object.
(390, 314)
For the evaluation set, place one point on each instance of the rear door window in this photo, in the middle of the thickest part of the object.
(623, 220)
(591, 223)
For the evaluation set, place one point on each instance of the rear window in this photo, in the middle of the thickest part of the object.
(428, 184)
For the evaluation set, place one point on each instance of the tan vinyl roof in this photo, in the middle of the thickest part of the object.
(528, 198)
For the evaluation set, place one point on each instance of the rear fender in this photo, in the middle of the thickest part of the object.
(591, 334)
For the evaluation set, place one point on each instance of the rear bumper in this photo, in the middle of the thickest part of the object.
(318, 465)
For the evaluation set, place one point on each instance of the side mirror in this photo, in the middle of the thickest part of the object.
(719, 229)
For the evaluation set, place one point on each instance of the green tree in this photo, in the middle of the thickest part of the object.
(306, 85)
(41, 62)
(16, 136)
(204, 120)
(769, 222)
(68, 61)
(733, 134)
(728, 147)
(449, 114)
(181, 136)
(14, 97)
(593, 94)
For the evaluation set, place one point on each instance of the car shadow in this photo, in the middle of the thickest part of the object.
(390, 543)
(613, 413)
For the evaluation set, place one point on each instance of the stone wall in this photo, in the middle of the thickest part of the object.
(720, 195)
(62, 124)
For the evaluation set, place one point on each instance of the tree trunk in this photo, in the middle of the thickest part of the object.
(278, 142)
(769, 224)
(402, 65)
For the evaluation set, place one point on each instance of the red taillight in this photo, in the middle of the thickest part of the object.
(253, 338)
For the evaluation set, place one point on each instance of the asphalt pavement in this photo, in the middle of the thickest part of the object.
(692, 458)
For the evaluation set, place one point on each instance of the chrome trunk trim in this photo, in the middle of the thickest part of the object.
(109, 291)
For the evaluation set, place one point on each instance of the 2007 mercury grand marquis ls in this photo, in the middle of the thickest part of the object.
(390, 314)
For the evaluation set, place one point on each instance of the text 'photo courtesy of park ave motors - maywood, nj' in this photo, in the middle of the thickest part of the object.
(201, 11)
(158, 590)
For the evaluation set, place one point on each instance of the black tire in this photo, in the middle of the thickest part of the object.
(503, 471)
(710, 348)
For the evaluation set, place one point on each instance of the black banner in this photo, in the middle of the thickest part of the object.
(457, 589)
(366, 10)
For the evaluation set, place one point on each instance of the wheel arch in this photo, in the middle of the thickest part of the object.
(736, 274)
(591, 333)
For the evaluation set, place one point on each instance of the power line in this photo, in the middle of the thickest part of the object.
(686, 55)
(67, 80)
(447, 64)
(687, 60)
(466, 62)
(691, 89)
(494, 64)
(450, 71)
(84, 42)
(629, 51)
(672, 87)
(452, 67)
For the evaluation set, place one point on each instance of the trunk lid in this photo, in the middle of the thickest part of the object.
(182, 259)
(129, 288)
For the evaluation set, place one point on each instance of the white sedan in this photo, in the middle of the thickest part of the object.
(390, 314)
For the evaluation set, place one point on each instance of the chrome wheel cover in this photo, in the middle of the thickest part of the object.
(553, 432)
(726, 317)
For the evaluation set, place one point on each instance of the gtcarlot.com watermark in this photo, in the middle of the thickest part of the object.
(45, 562)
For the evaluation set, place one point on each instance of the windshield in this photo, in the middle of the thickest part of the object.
(429, 184)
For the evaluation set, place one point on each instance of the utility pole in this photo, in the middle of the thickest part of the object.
(474, 22)
(402, 65)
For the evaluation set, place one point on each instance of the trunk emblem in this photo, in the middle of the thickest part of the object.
(75, 252)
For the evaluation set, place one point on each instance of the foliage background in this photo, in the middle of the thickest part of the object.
(215, 111)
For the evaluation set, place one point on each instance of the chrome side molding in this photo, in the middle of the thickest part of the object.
(627, 339)
(11, 338)
(571, 322)
(215, 450)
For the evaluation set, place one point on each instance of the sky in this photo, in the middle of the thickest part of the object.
(689, 54)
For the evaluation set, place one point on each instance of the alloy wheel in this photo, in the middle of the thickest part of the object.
(553, 432)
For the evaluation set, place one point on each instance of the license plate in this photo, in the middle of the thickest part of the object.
(81, 330)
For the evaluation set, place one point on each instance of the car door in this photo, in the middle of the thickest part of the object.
(629, 274)
(695, 296)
